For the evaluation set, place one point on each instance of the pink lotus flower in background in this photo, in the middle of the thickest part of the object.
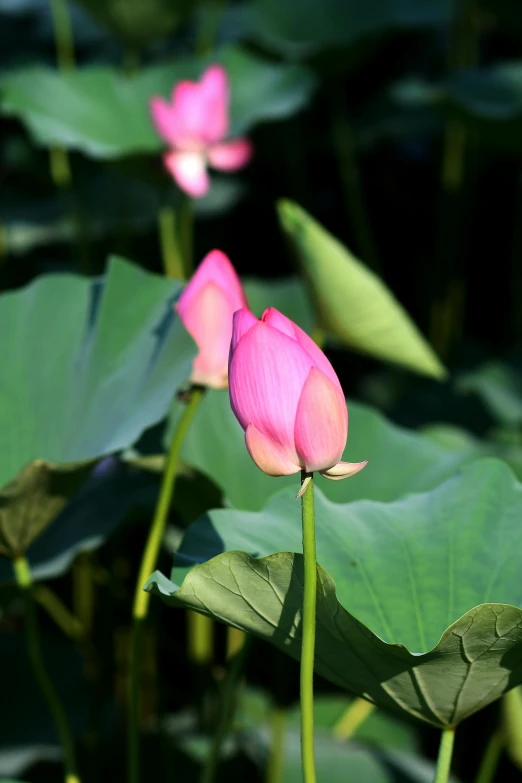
(287, 397)
(195, 125)
(206, 308)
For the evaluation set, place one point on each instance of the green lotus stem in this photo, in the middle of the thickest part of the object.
(209, 27)
(308, 626)
(4, 244)
(274, 773)
(186, 232)
(463, 53)
(491, 757)
(60, 167)
(235, 641)
(63, 35)
(447, 740)
(83, 590)
(352, 718)
(228, 700)
(199, 642)
(511, 707)
(61, 615)
(63, 39)
(170, 246)
(24, 580)
(148, 564)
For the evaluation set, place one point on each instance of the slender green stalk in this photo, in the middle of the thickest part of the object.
(235, 641)
(209, 27)
(274, 772)
(228, 700)
(64, 44)
(199, 642)
(491, 757)
(457, 172)
(60, 167)
(445, 754)
(344, 146)
(186, 231)
(512, 723)
(62, 616)
(4, 244)
(148, 563)
(84, 590)
(63, 36)
(170, 246)
(308, 643)
(24, 580)
(352, 718)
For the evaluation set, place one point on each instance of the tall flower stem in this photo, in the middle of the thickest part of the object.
(488, 765)
(227, 708)
(170, 245)
(25, 582)
(176, 229)
(209, 27)
(458, 171)
(64, 44)
(511, 710)
(278, 720)
(352, 718)
(308, 643)
(447, 740)
(63, 36)
(199, 638)
(148, 563)
(186, 232)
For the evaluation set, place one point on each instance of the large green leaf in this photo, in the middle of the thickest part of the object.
(303, 27)
(104, 113)
(88, 366)
(351, 301)
(33, 498)
(400, 461)
(423, 614)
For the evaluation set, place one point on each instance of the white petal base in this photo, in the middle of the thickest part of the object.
(343, 470)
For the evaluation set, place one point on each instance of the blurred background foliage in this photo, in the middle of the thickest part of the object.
(397, 125)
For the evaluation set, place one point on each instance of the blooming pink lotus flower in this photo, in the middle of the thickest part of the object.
(287, 397)
(206, 308)
(195, 125)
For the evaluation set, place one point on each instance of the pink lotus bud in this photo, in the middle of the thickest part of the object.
(206, 308)
(287, 397)
(195, 125)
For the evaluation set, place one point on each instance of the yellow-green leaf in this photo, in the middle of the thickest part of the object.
(351, 301)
